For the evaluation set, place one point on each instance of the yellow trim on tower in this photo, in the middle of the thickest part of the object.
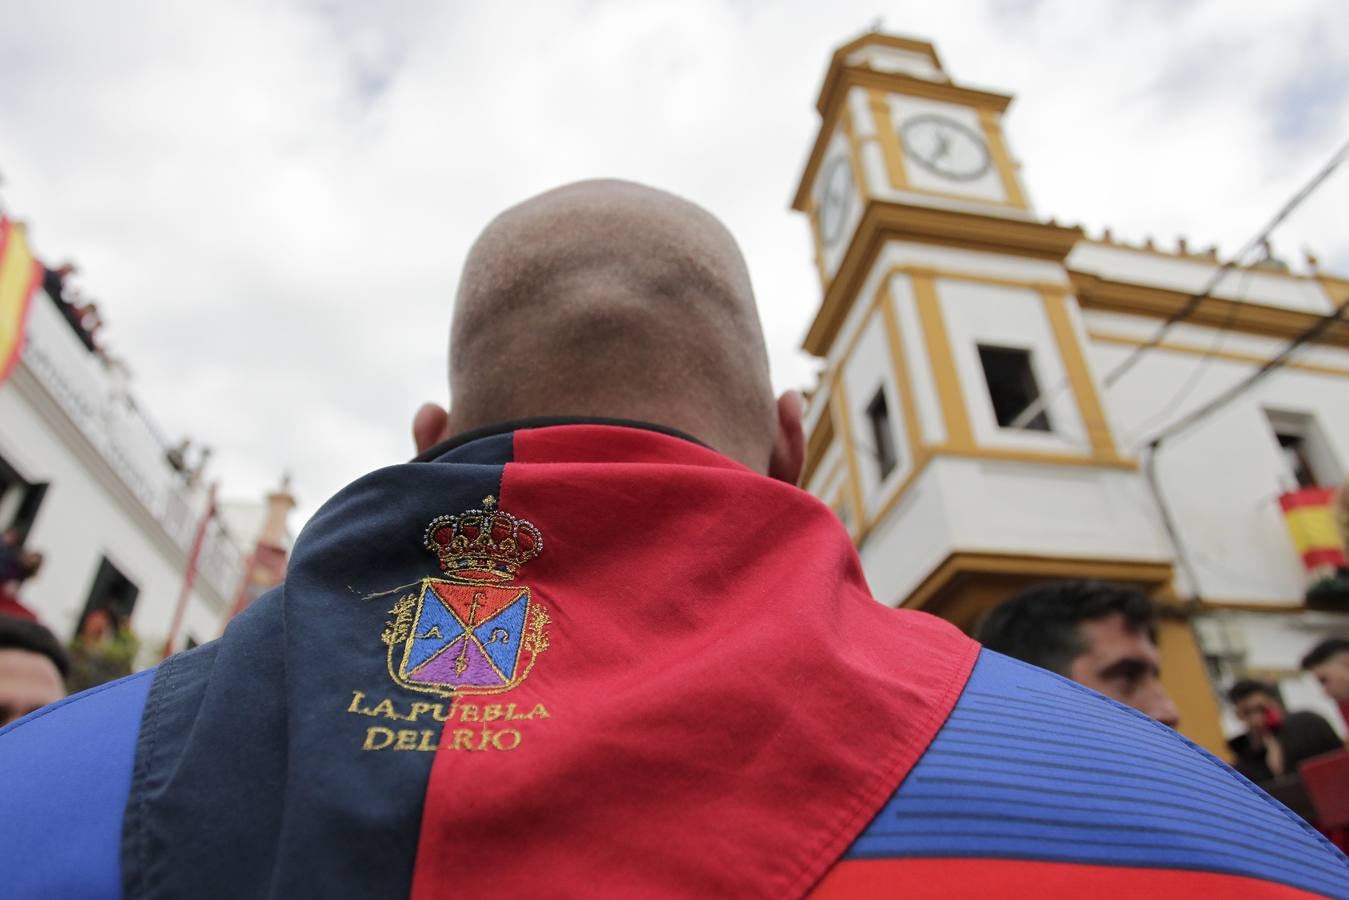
(884, 221)
(859, 172)
(944, 372)
(1079, 376)
(980, 278)
(900, 371)
(888, 138)
(1007, 168)
(844, 425)
(958, 563)
(813, 214)
(1254, 359)
(1186, 679)
(817, 445)
(1002, 454)
(1094, 292)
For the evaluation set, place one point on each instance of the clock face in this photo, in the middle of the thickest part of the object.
(836, 192)
(945, 147)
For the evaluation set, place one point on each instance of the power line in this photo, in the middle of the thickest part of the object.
(1193, 418)
(1042, 402)
(1219, 340)
(1190, 305)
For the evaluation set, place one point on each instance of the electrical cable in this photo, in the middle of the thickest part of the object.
(1192, 303)
(1183, 392)
(1189, 421)
(1195, 417)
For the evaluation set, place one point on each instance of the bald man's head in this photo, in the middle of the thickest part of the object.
(606, 298)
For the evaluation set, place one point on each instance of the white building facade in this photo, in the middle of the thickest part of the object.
(949, 305)
(86, 480)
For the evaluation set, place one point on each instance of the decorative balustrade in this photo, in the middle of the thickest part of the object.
(94, 395)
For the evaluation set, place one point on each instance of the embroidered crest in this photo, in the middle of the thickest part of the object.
(474, 632)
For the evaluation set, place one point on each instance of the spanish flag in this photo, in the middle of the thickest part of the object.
(19, 274)
(1312, 526)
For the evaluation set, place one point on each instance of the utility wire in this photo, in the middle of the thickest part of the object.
(1042, 402)
(1194, 418)
(1184, 423)
(1192, 382)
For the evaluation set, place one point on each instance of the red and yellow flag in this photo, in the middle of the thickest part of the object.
(19, 275)
(1311, 523)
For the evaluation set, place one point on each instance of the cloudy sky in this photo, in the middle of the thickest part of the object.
(271, 200)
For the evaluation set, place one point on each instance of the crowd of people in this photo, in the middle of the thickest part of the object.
(1103, 636)
(628, 657)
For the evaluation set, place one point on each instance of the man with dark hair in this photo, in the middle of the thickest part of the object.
(32, 668)
(1100, 635)
(569, 654)
(1329, 662)
(1276, 741)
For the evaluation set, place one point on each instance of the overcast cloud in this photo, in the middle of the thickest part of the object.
(271, 200)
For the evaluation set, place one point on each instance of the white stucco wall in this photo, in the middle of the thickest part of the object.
(80, 522)
(1001, 316)
(1223, 478)
(911, 542)
(1005, 506)
(866, 372)
(111, 493)
(1134, 266)
(895, 60)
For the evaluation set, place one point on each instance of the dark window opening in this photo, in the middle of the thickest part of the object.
(104, 648)
(1308, 459)
(1295, 456)
(882, 435)
(19, 502)
(1012, 386)
(111, 600)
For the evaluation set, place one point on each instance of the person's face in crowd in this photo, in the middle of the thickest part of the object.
(28, 681)
(1334, 676)
(1257, 711)
(1123, 664)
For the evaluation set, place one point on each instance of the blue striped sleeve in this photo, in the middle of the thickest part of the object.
(1032, 766)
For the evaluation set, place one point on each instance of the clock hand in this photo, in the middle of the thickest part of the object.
(943, 146)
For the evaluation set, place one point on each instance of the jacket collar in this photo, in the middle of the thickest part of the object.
(510, 425)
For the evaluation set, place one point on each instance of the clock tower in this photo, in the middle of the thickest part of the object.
(959, 427)
(947, 311)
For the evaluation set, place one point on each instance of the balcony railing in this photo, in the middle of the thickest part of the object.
(95, 397)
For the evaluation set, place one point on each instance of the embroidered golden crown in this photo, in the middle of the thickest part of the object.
(483, 543)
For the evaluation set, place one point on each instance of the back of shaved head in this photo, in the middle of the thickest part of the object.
(606, 298)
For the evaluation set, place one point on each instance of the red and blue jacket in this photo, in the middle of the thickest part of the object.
(603, 660)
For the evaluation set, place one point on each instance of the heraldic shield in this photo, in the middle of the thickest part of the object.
(474, 632)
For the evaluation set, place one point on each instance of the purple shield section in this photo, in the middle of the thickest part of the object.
(459, 666)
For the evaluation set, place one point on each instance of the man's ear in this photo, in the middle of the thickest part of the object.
(430, 426)
(789, 445)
